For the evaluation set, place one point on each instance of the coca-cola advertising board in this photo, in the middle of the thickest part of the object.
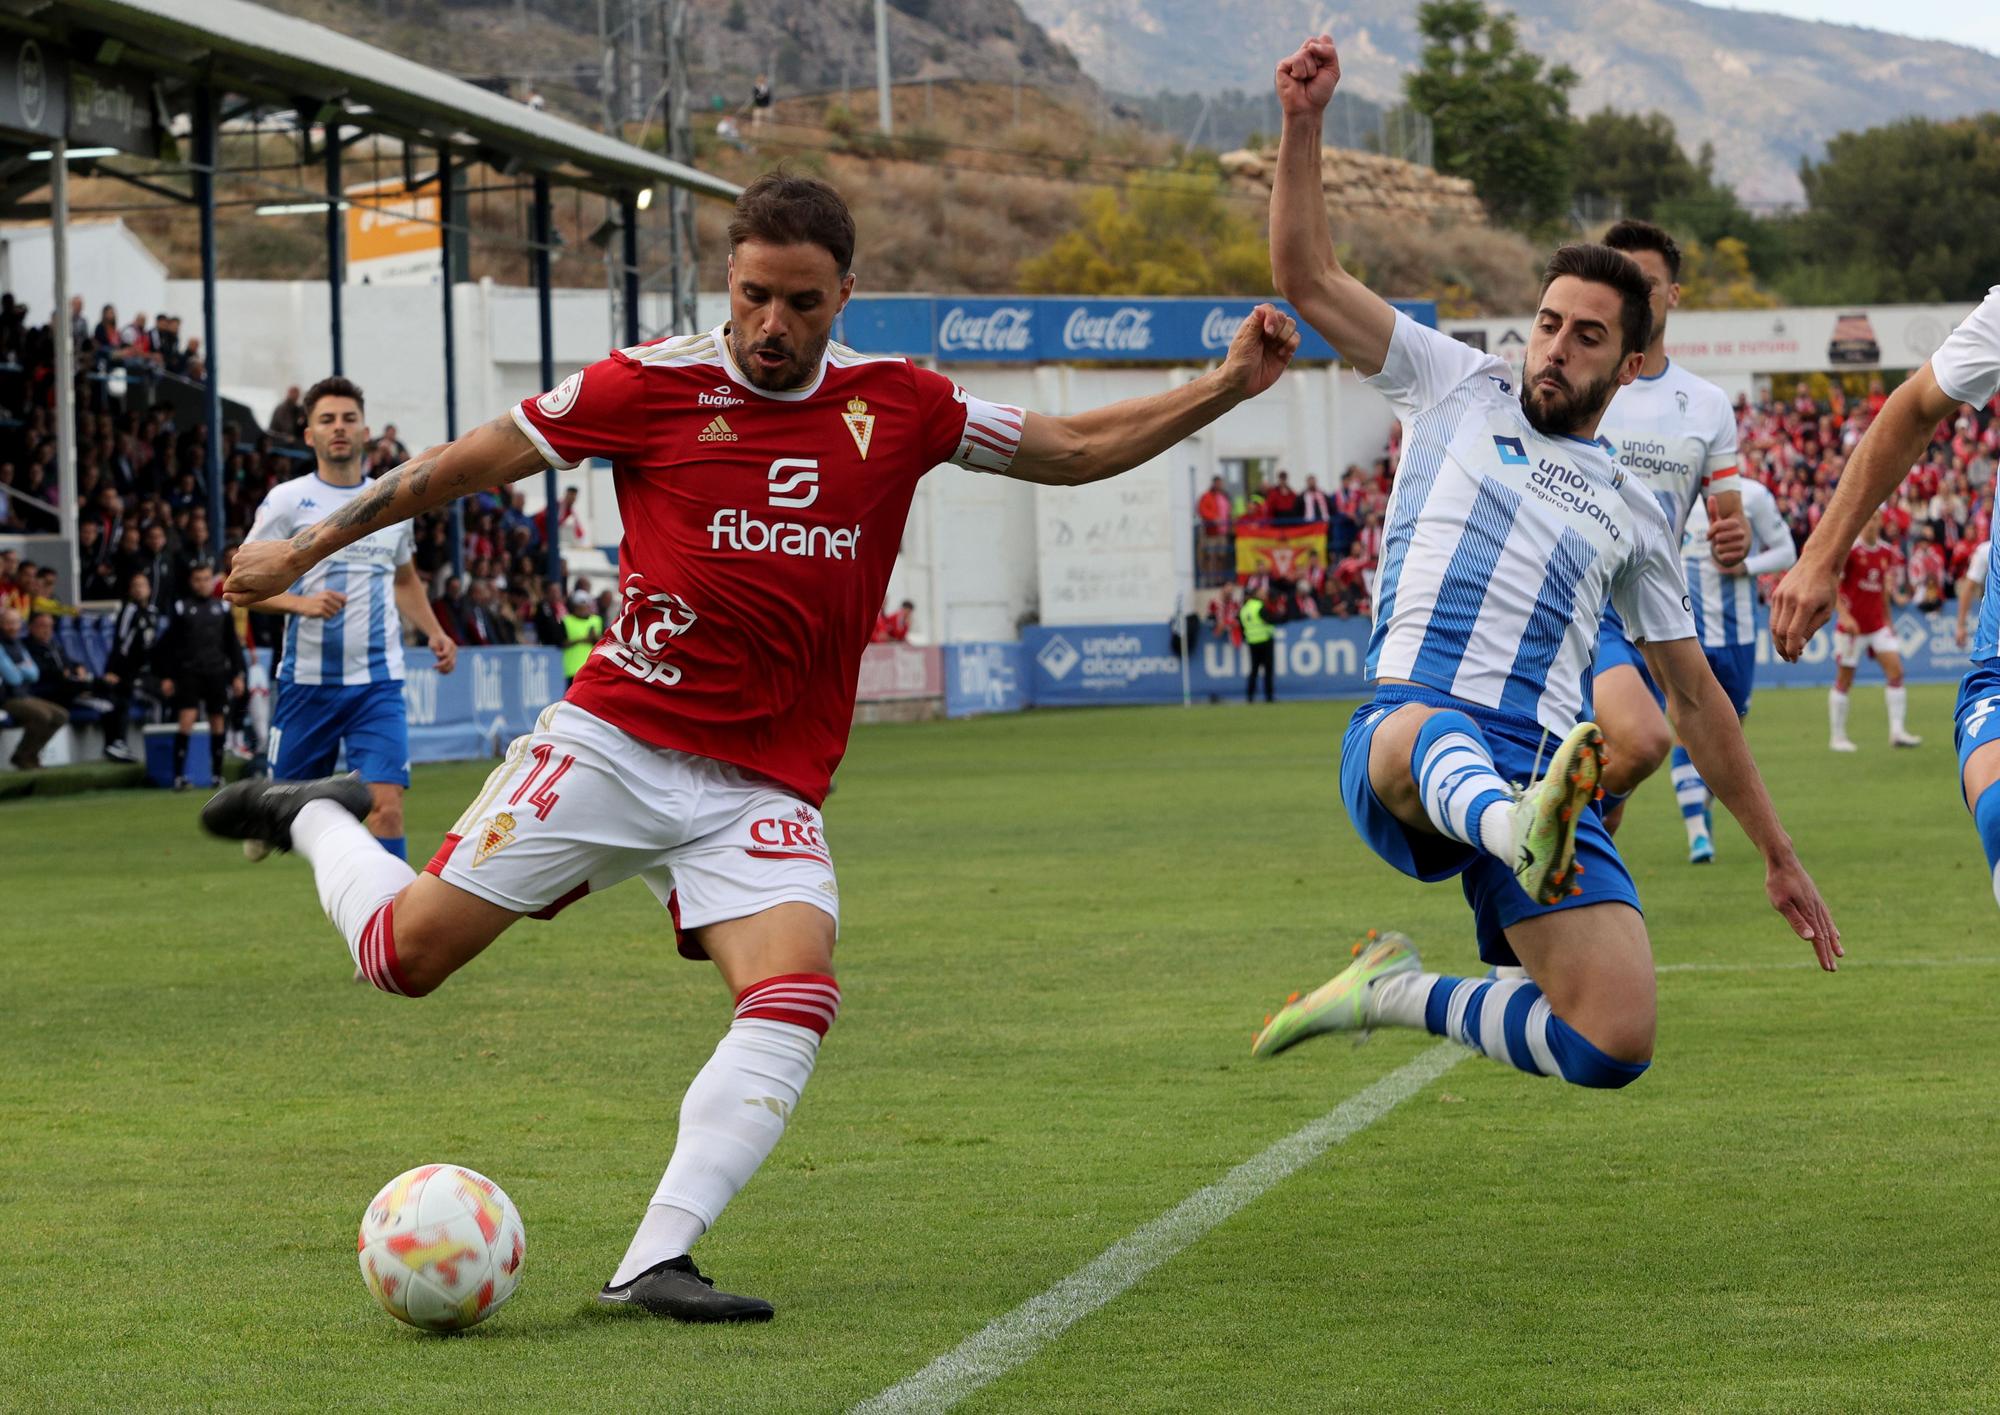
(1039, 329)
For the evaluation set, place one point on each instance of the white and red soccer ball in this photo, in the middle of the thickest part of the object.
(441, 1247)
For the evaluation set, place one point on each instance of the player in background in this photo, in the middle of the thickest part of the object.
(1726, 620)
(765, 475)
(1964, 371)
(1873, 577)
(1676, 434)
(1509, 530)
(340, 673)
(201, 664)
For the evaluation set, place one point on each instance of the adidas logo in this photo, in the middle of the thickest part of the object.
(717, 431)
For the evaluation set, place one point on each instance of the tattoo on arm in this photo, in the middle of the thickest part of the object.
(304, 539)
(365, 509)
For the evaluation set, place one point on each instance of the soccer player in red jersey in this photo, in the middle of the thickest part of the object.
(764, 474)
(1869, 582)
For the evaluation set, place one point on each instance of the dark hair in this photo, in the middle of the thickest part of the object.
(1634, 235)
(204, 563)
(335, 387)
(1603, 266)
(786, 209)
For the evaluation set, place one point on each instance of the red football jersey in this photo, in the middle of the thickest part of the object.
(760, 530)
(1864, 585)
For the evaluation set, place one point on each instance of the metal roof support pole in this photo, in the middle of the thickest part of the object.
(336, 234)
(204, 196)
(65, 333)
(628, 234)
(446, 277)
(546, 317)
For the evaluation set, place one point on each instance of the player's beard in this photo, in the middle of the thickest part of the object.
(343, 463)
(795, 374)
(1575, 407)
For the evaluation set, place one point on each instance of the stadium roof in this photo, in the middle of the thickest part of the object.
(247, 49)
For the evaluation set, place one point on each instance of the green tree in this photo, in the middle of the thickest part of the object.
(1631, 162)
(1499, 117)
(1906, 211)
(1171, 234)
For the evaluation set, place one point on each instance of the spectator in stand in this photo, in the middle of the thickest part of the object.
(480, 618)
(38, 718)
(894, 628)
(138, 340)
(1258, 635)
(167, 341)
(135, 638)
(93, 561)
(1214, 509)
(201, 666)
(569, 524)
(288, 419)
(108, 338)
(582, 627)
(158, 561)
(1314, 504)
(13, 517)
(448, 606)
(63, 681)
(389, 450)
(79, 325)
(1926, 571)
(1281, 501)
(47, 599)
(10, 574)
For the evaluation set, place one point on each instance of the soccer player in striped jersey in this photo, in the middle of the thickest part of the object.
(340, 673)
(1726, 621)
(1510, 529)
(1965, 371)
(1676, 434)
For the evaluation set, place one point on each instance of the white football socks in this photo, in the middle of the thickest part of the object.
(1836, 713)
(731, 1118)
(355, 875)
(1899, 707)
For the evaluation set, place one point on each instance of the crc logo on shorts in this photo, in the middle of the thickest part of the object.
(794, 485)
(646, 624)
(562, 397)
(793, 837)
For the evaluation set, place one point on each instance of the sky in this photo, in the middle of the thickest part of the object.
(1973, 22)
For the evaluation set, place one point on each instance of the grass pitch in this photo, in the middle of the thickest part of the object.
(1060, 932)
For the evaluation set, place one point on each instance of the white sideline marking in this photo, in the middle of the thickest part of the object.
(1010, 1340)
(1971, 961)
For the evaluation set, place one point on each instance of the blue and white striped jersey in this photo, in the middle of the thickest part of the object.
(1502, 546)
(1676, 434)
(1967, 368)
(1726, 606)
(364, 642)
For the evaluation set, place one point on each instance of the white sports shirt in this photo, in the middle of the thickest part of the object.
(1503, 546)
(364, 642)
(1677, 434)
(1967, 368)
(1725, 606)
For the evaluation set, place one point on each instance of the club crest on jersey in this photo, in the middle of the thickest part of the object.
(497, 836)
(562, 397)
(1681, 398)
(1512, 453)
(860, 425)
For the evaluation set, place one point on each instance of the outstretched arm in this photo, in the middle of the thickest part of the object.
(1890, 447)
(1090, 446)
(1307, 272)
(1708, 726)
(491, 455)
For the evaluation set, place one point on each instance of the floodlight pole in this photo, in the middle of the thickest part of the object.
(204, 196)
(336, 233)
(885, 115)
(456, 535)
(545, 311)
(65, 360)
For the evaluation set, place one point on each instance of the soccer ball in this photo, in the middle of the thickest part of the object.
(441, 1247)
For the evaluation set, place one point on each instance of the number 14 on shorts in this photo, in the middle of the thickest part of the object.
(543, 797)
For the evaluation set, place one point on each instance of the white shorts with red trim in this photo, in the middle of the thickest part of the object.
(1847, 647)
(579, 805)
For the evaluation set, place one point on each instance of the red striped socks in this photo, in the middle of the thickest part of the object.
(809, 1000)
(375, 952)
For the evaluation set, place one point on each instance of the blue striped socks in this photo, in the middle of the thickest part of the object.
(1464, 797)
(1506, 1018)
(1692, 792)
